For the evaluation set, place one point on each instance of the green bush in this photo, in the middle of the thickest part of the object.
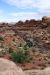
(29, 43)
(19, 57)
(49, 36)
(1, 39)
(25, 47)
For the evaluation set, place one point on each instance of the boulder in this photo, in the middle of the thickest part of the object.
(9, 68)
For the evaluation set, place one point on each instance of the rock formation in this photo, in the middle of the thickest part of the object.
(46, 19)
(9, 68)
(38, 72)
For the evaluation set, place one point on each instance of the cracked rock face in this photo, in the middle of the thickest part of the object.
(9, 68)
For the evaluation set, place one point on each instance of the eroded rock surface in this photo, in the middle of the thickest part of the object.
(9, 68)
(38, 72)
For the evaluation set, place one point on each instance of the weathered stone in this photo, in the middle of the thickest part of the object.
(46, 19)
(9, 68)
(38, 72)
(44, 25)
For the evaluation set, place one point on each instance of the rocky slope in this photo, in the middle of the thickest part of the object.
(16, 35)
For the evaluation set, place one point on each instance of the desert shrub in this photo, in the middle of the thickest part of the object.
(19, 57)
(48, 35)
(20, 45)
(1, 38)
(29, 43)
(25, 47)
(10, 50)
(3, 52)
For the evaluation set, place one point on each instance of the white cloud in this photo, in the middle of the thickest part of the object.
(7, 20)
(43, 7)
(25, 15)
(42, 4)
(14, 17)
(21, 3)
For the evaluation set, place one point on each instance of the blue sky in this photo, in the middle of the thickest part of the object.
(15, 10)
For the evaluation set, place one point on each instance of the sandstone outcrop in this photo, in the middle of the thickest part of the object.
(38, 72)
(9, 68)
(46, 19)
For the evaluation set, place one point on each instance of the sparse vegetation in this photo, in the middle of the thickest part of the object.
(20, 45)
(25, 47)
(10, 50)
(1, 38)
(29, 43)
(48, 35)
(19, 57)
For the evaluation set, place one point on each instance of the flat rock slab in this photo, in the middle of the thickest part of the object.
(38, 72)
(34, 72)
(9, 68)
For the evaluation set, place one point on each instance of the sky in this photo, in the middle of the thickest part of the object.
(15, 10)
